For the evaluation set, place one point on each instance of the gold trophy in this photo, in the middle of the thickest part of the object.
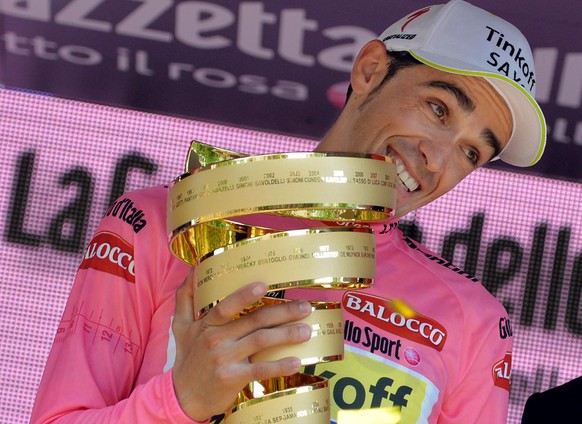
(216, 211)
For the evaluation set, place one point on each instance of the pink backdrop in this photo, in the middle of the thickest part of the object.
(525, 230)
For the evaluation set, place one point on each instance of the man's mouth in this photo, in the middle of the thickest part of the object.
(409, 183)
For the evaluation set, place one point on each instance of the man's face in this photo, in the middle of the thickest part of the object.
(437, 126)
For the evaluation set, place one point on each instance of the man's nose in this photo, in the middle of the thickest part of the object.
(436, 151)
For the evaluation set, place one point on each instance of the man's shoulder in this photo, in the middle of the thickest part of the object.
(567, 393)
(557, 404)
(441, 274)
(431, 261)
(149, 197)
(139, 210)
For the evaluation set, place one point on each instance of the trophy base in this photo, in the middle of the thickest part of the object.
(296, 399)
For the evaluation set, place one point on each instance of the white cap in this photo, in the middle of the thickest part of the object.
(463, 39)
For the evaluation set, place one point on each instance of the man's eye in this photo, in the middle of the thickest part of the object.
(439, 110)
(472, 155)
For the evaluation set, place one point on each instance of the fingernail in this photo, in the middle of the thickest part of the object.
(295, 363)
(305, 331)
(259, 289)
(305, 306)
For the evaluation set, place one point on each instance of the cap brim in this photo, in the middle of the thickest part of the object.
(528, 140)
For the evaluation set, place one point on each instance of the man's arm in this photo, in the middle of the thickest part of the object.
(482, 395)
(92, 368)
(107, 361)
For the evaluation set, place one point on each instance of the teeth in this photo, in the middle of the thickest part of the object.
(408, 181)
(404, 176)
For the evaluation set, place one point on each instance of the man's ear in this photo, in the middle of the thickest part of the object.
(369, 68)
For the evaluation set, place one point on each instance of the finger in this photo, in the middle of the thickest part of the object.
(272, 369)
(184, 314)
(234, 303)
(283, 335)
(270, 326)
(272, 316)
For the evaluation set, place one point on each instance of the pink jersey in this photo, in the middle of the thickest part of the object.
(448, 362)
(113, 352)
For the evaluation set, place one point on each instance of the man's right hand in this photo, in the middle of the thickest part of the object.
(212, 354)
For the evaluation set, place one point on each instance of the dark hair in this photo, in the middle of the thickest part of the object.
(399, 60)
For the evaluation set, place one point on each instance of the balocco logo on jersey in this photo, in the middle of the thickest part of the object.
(379, 312)
(109, 253)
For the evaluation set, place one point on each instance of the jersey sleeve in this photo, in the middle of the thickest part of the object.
(482, 393)
(95, 369)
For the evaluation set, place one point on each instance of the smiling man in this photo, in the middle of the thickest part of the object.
(443, 91)
(437, 126)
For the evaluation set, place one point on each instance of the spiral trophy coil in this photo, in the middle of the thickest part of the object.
(216, 211)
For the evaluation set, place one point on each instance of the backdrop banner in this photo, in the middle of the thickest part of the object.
(65, 164)
(275, 66)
